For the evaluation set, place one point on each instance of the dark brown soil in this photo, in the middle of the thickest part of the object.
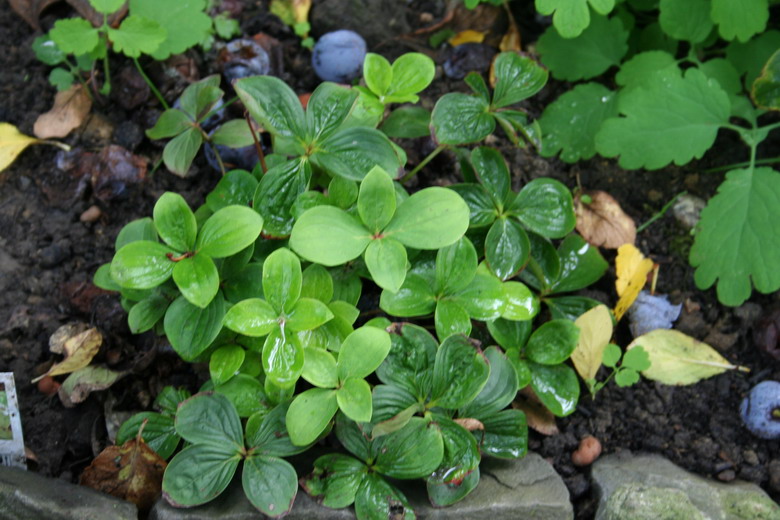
(48, 256)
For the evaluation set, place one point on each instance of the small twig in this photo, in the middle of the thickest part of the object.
(660, 213)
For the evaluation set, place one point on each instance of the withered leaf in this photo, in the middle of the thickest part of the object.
(78, 347)
(602, 222)
(77, 387)
(470, 424)
(70, 109)
(538, 417)
(30, 10)
(132, 472)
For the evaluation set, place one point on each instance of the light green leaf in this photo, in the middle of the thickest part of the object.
(378, 73)
(282, 358)
(386, 261)
(484, 298)
(61, 78)
(191, 329)
(521, 303)
(362, 352)
(329, 236)
(252, 317)
(140, 229)
(461, 119)
(678, 359)
(319, 368)
(430, 219)
(142, 265)
(137, 35)
(411, 73)
(308, 314)
(225, 362)
(199, 473)
(598, 48)
(273, 104)
(414, 298)
(74, 36)
(282, 280)
(740, 19)
(170, 123)
(736, 240)
(197, 279)
(571, 17)
(317, 283)
(354, 398)
(569, 124)
(376, 200)
(309, 415)
(352, 152)
(517, 78)
(106, 6)
(234, 134)
(185, 22)
(644, 67)
(687, 20)
(145, 314)
(228, 231)
(450, 318)
(181, 151)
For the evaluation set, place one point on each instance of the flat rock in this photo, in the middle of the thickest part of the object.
(528, 488)
(27, 495)
(649, 487)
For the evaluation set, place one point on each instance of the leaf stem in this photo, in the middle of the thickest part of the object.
(258, 146)
(422, 164)
(152, 87)
(758, 162)
(660, 213)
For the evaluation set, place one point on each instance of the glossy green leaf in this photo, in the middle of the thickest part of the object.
(393, 408)
(252, 317)
(319, 368)
(484, 298)
(309, 414)
(595, 50)
(139, 229)
(142, 265)
(430, 219)
(181, 151)
(354, 437)
(346, 285)
(451, 318)
(317, 283)
(520, 303)
(197, 279)
(354, 399)
(376, 200)
(335, 480)
(522, 367)
(414, 451)
(158, 432)
(246, 284)
(506, 248)
(266, 433)
(687, 20)
(282, 280)
(461, 119)
(411, 73)
(510, 334)
(145, 314)
(175, 222)
(409, 364)
(282, 358)
(377, 500)
(569, 307)
(246, 393)
(386, 261)
(545, 207)
(499, 390)
(493, 173)
(199, 473)
(553, 342)
(329, 236)
(378, 73)
(308, 314)
(414, 298)
(407, 122)
(362, 352)
(273, 104)
(459, 373)
(544, 265)
(456, 266)
(74, 36)
(766, 88)
(450, 482)
(225, 362)
(517, 78)
(505, 435)
(581, 265)
(328, 107)
(740, 19)
(228, 231)
(237, 187)
(352, 152)
(270, 484)
(137, 35)
(277, 193)
(172, 122)
(570, 123)
(210, 419)
(191, 329)
(232, 266)
(556, 386)
(482, 210)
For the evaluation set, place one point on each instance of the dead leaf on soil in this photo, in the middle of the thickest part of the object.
(78, 346)
(467, 36)
(70, 109)
(77, 387)
(291, 11)
(595, 333)
(132, 472)
(602, 222)
(12, 143)
(30, 11)
(470, 424)
(536, 415)
(632, 269)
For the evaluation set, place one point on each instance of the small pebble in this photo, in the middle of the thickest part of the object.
(687, 210)
(727, 475)
(91, 214)
(589, 451)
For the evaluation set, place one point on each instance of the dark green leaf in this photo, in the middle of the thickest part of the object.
(766, 88)
(393, 408)
(510, 334)
(556, 386)
(545, 207)
(351, 435)
(159, 432)
(686, 20)
(352, 152)
(506, 248)
(142, 265)
(414, 298)
(228, 231)
(277, 193)
(252, 317)
(210, 419)
(282, 358)
(197, 279)
(456, 266)
(461, 119)
(476, 82)
(581, 265)
(450, 482)
(270, 484)
(459, 373)
(409, 364)
(482, 210)
(553, 342)
(235, 133)
(308, 314)
(309, 414)
(407, 122)
(192, 95)
(327, 108)
(544, 266)
(47, 51)
(225, 362)
(246, 393)
(169, 398)
(199, 473)
(493, 173)
(505, 435)
(246, 284)
(329, 236)
(145, 314)
(412, 452)
(499, 391)
(335, 480)
(450, 318)
(267, 433)
(237, 187)
(377, 500)
(569, 307)
(272, 104)
(517, 78)
(191, 329)
(346, 285)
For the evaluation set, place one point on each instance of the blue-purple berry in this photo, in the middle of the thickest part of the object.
(759, 409)
(338, 56)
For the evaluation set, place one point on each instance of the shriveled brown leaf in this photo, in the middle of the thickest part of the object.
(132, 472)
(538, 417)
(79, 349)
(77, 387)
(602, 222)
(85, 9)
(30, 10)
(64, 333)
(470, 424)
(70, 109)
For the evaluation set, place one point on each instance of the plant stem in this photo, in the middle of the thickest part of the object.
(758, 162)
(152, 87)
(660, 213)
(422, 164)
(106, 90)
(258, 146)
(207, 139)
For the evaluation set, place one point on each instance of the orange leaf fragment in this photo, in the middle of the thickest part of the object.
(467, 36)
(602, 222)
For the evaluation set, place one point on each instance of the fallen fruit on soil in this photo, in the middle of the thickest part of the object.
(760, 410)
(243, 58)
(588, 452)
(338, 56)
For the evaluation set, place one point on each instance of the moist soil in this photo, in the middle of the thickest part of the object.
(49, 251)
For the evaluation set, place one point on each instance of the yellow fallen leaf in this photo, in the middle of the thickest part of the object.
(291, 12)
(467, 36)
(13, 142)
(595, 333)
(632, 268)
(678, 359)
(78, 349)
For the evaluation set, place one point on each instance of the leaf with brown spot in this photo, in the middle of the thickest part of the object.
(70, 109)
(602, 222)
(470, 424)
(78, 347)
(538, 416)
(132, 472)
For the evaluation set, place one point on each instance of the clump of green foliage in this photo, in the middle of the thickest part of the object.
(262, 283)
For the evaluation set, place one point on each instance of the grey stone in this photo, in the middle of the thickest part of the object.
(528, 488)
(645, 487)
(29, 496)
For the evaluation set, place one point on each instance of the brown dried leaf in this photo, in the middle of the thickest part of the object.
(538, 417)
(70, 109)
(132, 472)
(602, 222)
(79, 349)
(86, 10)
(511, 40)
(30, 10)
(471, 424)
